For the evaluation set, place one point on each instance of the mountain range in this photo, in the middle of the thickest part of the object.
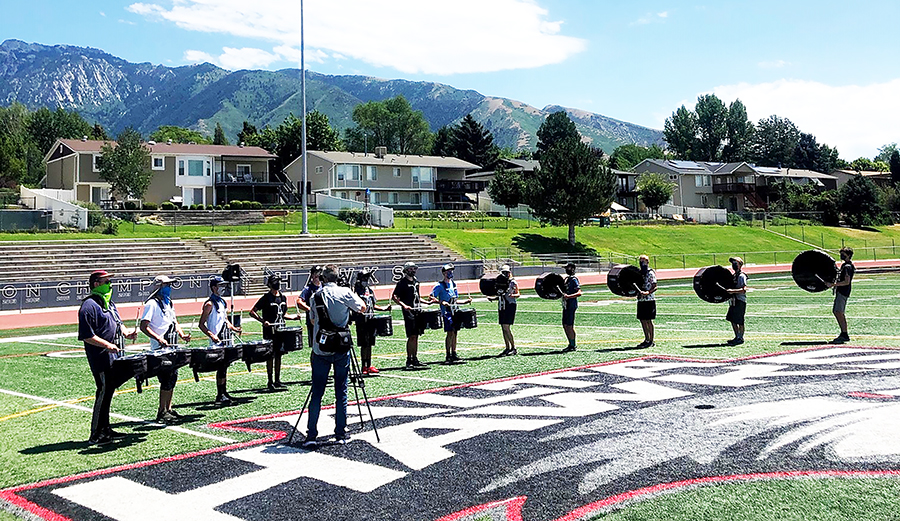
(116, 93)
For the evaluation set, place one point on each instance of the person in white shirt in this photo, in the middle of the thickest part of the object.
(506, 309)
(160, 324)
(214, 323)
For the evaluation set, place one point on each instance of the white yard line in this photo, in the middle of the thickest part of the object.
(55, 336)
(67, 405)
(70, 346)
(419, 378)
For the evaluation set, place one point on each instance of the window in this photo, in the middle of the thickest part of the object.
(96, 165)
(243, 174)
(371, 173)
(159, 163)
(415, 198)
(195, 167)
(181, 167)
(673, 177)
(375, 198)
(423, 174)
(99, 194)
(319, 169)
(393, 198)
(396, 171)
(698, 180)
(347, 172)
(707, 180)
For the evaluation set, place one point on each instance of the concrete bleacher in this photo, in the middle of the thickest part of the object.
(30, 261)
(302, 251)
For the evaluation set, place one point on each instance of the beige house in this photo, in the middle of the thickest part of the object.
(186, 173)
(397, 181)
(735, 187)
(881, 179)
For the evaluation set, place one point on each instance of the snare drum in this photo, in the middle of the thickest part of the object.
(291, 338)
(429, 319)
(206, 360)
(131, 366)
(466, 318)
(383, 325)
(256, 352)
(168, 359)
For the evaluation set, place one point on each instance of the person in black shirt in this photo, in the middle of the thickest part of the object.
(571, 292)
(842, 293)
(365, 328)
(273, 306)
(406, 295)
(102, 331)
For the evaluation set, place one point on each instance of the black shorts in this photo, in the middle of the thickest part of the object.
(365, 332)
(646, 310)
(167, 380)
(736, 312)
(508, 314)
(409, 324)
(568, 316)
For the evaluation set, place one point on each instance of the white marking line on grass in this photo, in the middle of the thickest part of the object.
(70, 346)
(55, 336)
(114, 415)
(419, 378)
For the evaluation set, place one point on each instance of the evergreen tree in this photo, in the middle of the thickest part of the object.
(442, 145)
(680, 133)
(475, 144)
(98, 133)
(570, 185)
(247, 133)
(555, 129)
(126, 166)
(624, 157)
(219, 135)
(506, 189)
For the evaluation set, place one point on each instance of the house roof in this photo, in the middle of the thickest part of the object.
(864, 173)
(93, 146)
(391, 160)
(710, 168)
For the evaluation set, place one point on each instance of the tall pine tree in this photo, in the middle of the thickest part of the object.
(474, 143)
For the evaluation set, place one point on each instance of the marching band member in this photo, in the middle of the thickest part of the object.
(842, 293)
(646, 302)
(737, 306)
(506, 310)
(160, 324)
(446, 293)
(304, 301)
(273, 306)
(406, 295)
(365, 327)
(101, 330)
(571, 292)
(214, 323)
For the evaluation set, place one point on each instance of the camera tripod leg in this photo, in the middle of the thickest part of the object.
(362, 387)
(299, 416)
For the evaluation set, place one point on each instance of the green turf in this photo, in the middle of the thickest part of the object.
(40, 444)
(801, 500)
(6, 516)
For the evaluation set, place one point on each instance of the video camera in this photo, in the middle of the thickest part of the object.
(232, 273)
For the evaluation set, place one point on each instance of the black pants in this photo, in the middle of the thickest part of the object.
(107, 383)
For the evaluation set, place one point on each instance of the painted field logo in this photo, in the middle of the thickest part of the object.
(562, 445)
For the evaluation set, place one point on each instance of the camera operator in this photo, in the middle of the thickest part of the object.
(331, 347)
(365, 326)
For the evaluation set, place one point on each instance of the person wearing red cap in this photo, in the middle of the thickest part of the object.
(103, 333)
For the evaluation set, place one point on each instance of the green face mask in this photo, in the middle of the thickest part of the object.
(104, 291)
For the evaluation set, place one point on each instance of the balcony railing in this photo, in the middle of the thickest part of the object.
(469, 187)
(734, 188)
(241, 177)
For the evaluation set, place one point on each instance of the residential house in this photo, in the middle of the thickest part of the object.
(398, 181)
(186, 173)
(736, 187)
(881, 179)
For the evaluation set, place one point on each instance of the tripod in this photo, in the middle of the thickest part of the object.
(359, 385)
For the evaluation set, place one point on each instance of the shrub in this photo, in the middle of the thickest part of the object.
(226, 207)
(150, 206)
(168, 205)
(735, 220)
(95, 214)
(256, 205)
(131, 205)
(352, 216)
(237, 205)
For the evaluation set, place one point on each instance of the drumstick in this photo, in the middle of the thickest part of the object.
(137, 324)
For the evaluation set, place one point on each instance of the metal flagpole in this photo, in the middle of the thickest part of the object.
(303, 195)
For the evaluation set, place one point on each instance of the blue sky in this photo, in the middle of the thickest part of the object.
(826, 65)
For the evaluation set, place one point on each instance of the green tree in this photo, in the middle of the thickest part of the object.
(247, 133)
(98, 133)
(506, 188)
(806, 153)
(711, 117)
(219, 135)
(391, 123)
(474, 143)
(654, 189)
(442, 144)
(626, 156)
(45, 127)
(895, 167)
(126, 166)
(319, 133)
(570, 186)
(178, 135)
(862, 204)
(885, 152)
(738, 134)
(556, 128)
(774, 142)
(864, 164)
(680, 133)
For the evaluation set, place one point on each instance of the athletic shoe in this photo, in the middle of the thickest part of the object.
(113, 434)
(651, 344)
(843, 337)
(101, 439)
(737, 341)
(419, 364)
(569, 349)
(371, 370)
(642, 345)
(410, 365)
(279, 385)
(223, 400)
(341, 439)
(174, 413)
(732, 342)
(166, 417)
(271, 387)
(309, 443)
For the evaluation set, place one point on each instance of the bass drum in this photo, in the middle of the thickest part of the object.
(624, 280)
(710, 281)
(549, 285)
(812, 269)
(492, 286)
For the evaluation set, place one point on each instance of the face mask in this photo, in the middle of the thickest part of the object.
(165, 292)
(104, 291)
(449, 274)
(735, 266)
(276, 286)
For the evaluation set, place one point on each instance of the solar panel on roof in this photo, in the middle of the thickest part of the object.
(687, 165)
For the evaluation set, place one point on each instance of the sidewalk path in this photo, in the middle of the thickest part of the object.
(129, 311)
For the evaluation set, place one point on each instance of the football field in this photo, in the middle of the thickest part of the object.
(785, 426)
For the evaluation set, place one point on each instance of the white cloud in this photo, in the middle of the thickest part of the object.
(857, 119)
(234, 59)
(775, 64)
(412, 36)
(126, 22)
(650, 18)
(198, 57)
(664, 14)
(102, 14)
